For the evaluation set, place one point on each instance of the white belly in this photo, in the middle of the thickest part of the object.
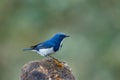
(44, 52)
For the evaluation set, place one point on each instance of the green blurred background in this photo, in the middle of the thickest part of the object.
(92, 51)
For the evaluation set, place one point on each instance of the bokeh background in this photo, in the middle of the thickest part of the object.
(92, 51)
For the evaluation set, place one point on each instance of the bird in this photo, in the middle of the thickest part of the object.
(50, 46)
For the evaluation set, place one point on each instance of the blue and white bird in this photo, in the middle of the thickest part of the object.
(50, 46)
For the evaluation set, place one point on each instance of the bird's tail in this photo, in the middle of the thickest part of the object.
(26, 49)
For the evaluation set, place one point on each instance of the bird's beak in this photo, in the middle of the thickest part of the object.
(67, 36)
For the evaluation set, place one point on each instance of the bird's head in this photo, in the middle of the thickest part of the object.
(60, 36)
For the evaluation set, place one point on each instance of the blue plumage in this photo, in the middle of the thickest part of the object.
(50, 46)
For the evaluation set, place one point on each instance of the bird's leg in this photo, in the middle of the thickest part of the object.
(51, 57)
(57, 62)
(48, 57)
(54, 59)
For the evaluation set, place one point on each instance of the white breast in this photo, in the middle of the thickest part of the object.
(45, 52)
(61, 45)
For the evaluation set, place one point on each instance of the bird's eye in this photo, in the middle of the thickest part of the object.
(61, 35)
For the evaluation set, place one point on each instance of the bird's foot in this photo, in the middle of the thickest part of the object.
(57, 62)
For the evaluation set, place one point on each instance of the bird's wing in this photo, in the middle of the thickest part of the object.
(35, 46)
(43, 45)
